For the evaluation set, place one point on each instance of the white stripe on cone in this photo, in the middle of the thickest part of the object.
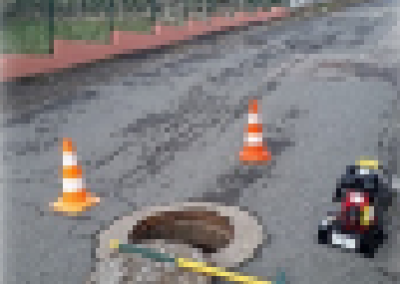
(254, 144)
(73, 184)
(254, 139)
(70, 159)
(253, 118)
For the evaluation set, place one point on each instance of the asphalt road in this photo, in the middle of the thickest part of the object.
(169, 128)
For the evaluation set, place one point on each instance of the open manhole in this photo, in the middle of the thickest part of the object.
(204, 230)
(226, 234)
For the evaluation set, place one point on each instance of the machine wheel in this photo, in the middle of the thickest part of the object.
(322, 236)
(370, 249)
(369, 254)
(367, 249)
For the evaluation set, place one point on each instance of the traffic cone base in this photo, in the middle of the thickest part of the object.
(255, 156)
(74, 207)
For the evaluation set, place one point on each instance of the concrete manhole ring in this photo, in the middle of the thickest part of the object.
(235, 233)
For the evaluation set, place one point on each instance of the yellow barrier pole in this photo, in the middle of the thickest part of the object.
(219, 272)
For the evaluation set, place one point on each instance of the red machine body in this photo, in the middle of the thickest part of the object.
(353, 209)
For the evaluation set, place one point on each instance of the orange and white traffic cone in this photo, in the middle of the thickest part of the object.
(254, 151)
(74, 198)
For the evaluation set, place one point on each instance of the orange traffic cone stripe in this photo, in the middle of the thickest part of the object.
(75, 198)
(68, 146)
(254, 130)
(254, 149)
(71, 172)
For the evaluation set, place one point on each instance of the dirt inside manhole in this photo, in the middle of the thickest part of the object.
(205, 230)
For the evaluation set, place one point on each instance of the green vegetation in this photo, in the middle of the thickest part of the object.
(33, 37)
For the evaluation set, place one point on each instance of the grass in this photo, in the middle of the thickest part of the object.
(33, 37)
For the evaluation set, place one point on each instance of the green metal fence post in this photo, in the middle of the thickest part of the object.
(153, 12)
(186, 7)
(112, 20)
(51, 26)
(210, 7)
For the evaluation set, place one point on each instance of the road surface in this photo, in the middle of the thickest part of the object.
(169, 127)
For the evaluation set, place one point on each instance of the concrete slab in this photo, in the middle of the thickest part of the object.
(132, 268)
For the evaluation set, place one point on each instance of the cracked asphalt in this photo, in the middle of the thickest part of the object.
(168, 127)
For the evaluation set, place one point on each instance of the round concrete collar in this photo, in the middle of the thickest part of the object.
(248, 233)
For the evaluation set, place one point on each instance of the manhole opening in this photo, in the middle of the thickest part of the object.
(205, 230)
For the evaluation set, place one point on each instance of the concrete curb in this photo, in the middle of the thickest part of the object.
(69, 53)
(248, 233)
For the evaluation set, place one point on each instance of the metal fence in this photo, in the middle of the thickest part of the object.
(30, 26)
